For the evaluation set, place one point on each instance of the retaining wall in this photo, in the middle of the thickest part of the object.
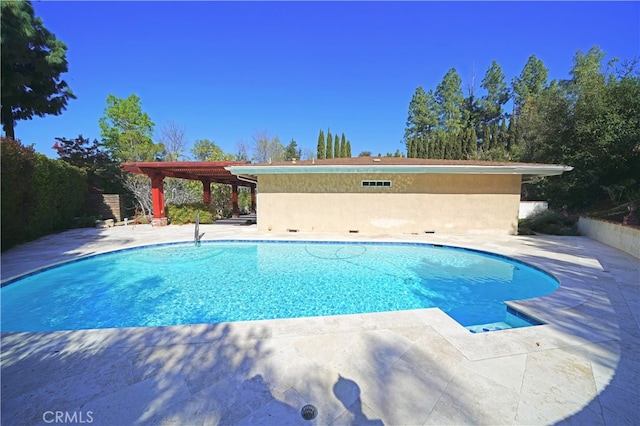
(625, 238)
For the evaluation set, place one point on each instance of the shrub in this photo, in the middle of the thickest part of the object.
(548, 222)
(186, 213)
(39, 195)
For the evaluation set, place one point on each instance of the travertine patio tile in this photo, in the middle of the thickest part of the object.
(471, 398)
(545, 395)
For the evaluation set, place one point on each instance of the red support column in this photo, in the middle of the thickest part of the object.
(157, 196)
(253, 199)
(234, 200)
(206, 191)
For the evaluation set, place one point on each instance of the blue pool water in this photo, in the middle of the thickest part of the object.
(237, 281)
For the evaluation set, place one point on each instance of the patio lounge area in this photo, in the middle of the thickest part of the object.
(408, 367)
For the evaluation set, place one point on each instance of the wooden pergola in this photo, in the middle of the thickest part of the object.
(207, 172)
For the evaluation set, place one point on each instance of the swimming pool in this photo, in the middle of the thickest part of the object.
(227, 281)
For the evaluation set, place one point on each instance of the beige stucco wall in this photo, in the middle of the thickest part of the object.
(415, 203)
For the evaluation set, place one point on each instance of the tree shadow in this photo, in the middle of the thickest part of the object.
(181, 375)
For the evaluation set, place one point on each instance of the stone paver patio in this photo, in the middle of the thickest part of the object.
(410, 367)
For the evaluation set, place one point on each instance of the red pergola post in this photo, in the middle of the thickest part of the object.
(253, 199)
(206, 191)
(234, 200)
(157, 196)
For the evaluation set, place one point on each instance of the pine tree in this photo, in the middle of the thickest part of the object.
(497, 94)
(450, 101)
(329, 145)
(486, 140)
(321, 146)
(33, 60)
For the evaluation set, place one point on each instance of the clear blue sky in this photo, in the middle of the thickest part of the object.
(225, 71)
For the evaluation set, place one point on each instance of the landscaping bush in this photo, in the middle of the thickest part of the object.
(39, 195)
(186, 213)
(548, 222)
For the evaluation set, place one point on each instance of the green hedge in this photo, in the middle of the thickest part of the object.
(186, 213)
(39, 195)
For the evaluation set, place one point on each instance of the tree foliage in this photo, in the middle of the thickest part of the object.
(590, 121)
(497, 94)
(321, 149)
(267, 148)
(206, 150)
(33, 60)
(102, 172)
(329, 150)
(127, 131)
(39, 195)
(292, 151)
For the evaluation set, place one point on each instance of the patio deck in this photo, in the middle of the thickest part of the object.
(409, 367)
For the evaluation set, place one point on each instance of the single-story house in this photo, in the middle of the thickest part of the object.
(390, 195)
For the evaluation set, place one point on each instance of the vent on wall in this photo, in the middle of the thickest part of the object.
(291, 230)
(376, 183)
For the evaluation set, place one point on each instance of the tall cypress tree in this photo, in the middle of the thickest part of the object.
(348, 149)
(321, 145)
(336, 148)
(474, 143)
(494, 135)
(510, 136)
(343, 146)
(502, 134)
(329, 145)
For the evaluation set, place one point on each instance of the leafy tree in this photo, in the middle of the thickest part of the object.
(497, 94)
(126, 130)
(102, 172)
(206, 150)
(32, 61)
(365, 154)
(329, 145)
(321, 146)
(292, 151)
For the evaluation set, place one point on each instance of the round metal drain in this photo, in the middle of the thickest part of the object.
(309, 412)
